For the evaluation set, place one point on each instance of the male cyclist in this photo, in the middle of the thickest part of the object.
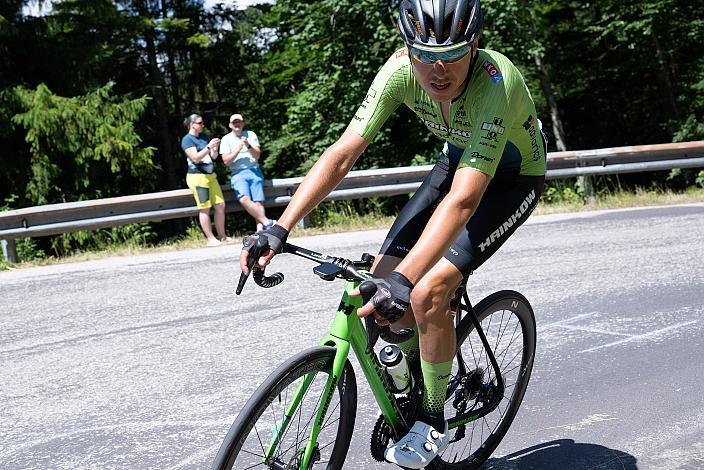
(486, 182)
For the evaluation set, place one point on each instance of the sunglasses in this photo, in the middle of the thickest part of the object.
(451, 56)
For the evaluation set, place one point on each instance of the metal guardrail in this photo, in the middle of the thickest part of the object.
(54, 219)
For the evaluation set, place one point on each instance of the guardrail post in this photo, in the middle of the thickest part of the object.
(587, 185)
(9, 250)
(304, 223)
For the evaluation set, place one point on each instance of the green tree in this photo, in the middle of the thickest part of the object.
(80, 147)
(318, 70)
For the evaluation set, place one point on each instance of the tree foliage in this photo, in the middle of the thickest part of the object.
(127, 72)
(78, 145)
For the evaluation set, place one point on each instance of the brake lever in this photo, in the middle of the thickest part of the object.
(256, 246)
(367, 290)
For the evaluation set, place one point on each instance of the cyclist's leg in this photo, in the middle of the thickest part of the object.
(507, 203)
(430, 300)
(410, 223)
(403, 235)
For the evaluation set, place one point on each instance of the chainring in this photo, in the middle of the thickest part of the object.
(382, 432)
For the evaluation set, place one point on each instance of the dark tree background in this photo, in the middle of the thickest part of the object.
(93, 92)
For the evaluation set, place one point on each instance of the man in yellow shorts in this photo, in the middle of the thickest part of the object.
(200, 152)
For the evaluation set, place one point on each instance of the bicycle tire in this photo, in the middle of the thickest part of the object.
(467, 453)
(245, 443)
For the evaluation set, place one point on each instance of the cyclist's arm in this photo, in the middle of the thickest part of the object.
(327, 173)
(450, 217)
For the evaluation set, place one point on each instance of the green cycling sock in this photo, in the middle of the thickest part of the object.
(411, 348)
(435, 379)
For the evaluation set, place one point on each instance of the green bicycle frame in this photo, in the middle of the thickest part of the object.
(347, 329)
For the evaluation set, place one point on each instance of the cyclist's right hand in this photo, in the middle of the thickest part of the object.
(390, 297)
(275, 235)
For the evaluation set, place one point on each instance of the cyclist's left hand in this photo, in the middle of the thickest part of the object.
(391, 299)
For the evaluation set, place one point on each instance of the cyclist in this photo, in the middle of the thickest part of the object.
(486, 182)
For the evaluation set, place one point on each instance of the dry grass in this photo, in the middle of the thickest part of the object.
(625, 199)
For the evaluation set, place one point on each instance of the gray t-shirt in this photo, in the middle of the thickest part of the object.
(244, 158)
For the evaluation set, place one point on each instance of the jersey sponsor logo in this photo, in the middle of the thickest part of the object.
(401, 53)
(421, 110)
(463, 123)
(529, 125)
(493, 72)
(461, 112)
(493, 129)
(487, 144)
(522, 210)
(474, 156)
(494, 126)
(434, 126)
(371, 94)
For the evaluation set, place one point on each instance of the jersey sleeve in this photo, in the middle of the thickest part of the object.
(385, 94)
(491, 121)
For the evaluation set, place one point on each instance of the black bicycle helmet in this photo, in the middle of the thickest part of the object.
(439, 22)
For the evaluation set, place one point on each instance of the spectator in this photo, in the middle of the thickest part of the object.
(200, 151)
(240, 151)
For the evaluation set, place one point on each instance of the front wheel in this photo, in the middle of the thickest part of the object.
(508, 322)
(273, 429)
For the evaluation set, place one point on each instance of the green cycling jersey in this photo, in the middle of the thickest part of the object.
(492, 122)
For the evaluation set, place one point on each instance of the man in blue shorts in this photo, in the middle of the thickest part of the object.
(240, 151)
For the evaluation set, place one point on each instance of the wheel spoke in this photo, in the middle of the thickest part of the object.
(267, 422)
(505, 335)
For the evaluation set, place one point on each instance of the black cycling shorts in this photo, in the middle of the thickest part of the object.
(507, 202)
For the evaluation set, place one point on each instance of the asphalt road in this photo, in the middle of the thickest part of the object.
(143, 362)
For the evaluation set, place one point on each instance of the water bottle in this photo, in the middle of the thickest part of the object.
(396, 366)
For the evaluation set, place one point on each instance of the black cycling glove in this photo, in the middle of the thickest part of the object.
(392, 296)
(274, 238)
(277, 236)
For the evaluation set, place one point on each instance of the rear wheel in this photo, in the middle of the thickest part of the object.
(263, 417)
(508, 322)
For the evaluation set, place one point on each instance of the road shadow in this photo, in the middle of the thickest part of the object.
(564, 454)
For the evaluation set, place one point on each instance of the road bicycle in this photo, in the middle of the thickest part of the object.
(303, 415)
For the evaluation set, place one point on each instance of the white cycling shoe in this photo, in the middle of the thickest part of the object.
(417, 448)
